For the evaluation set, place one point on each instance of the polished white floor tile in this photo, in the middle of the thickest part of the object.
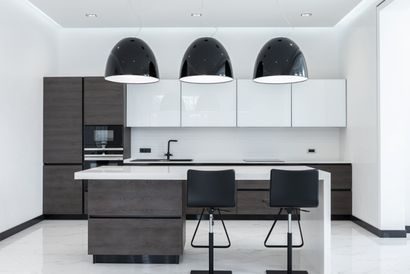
(59, 247)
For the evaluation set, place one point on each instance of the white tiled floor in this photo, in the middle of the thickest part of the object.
(59, 247)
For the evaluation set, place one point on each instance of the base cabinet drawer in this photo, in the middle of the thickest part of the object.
(136, 236)
(341, 175)
(135, 198)
(341, 202)
(254, 202)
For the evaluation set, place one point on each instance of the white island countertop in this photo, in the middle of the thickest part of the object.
(250, 161)
(179, 172)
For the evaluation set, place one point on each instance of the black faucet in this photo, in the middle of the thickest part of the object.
(168, 154)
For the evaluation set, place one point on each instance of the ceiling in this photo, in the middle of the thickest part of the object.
(177, 13)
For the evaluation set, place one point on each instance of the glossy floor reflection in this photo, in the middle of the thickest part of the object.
(59, 247)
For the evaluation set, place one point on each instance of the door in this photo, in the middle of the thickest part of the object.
(103, 102)
(319, 103)
(61, 193)
(154, 105)
(263, 105)
(209, 105)
(62, 121)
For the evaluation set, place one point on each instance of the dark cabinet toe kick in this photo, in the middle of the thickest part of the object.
(136, 259)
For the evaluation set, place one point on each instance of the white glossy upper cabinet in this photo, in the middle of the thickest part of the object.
(154, 105)
(264, 105)
(319, 103)
(209, 105)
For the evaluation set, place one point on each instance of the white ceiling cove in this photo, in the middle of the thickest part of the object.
(177, 13)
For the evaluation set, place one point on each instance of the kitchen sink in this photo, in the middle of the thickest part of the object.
(162, 160)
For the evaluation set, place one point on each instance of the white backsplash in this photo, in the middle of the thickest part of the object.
(238, 143)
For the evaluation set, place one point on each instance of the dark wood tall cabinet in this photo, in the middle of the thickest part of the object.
(63, 144)
(63, 120)
(103, 102)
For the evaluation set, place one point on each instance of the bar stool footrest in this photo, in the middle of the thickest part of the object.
(286, 272)
(207, 272)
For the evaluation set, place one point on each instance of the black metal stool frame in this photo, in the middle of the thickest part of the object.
(273, 226)
(223, 224)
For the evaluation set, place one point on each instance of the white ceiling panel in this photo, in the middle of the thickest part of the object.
(177, 13)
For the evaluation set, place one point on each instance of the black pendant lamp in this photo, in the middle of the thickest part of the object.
(206, 62)
(280, 61)
(132, 61)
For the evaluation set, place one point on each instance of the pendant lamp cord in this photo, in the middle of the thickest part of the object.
(138, 16)
(283, 15)
(204, 22)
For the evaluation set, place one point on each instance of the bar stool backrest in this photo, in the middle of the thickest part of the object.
(294, 188)
(211, 189)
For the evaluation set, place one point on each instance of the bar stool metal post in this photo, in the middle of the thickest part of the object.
(292, 190)
(211, 190)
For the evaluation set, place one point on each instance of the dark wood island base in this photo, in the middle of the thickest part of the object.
(136, 221)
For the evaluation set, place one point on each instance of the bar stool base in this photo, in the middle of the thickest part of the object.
(286, 272)
(207, 272)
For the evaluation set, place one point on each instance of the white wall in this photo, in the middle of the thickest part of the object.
(376, 141)
(358, 34)
(238, 143)
(394, 90)
(27, 52)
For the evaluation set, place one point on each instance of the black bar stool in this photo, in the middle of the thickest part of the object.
(292, 190)
(211, 190)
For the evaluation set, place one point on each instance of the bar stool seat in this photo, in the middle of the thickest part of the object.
(211, 190)
(292, 190)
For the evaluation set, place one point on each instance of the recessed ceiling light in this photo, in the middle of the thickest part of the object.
(91, 15)
(306, 14)
(196, 14)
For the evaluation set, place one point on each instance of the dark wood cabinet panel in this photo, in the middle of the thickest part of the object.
(197, 211)
(62, 120)
(61, 193)
(341, 175)
(250, 184)
(254, 202)
(135, 236)
(341, 202)
(135, 198)
(103, 102)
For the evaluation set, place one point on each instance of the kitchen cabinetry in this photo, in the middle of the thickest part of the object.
(319, 103)
(62, 195)
(129, 219)
(264, 105)
(69, 104)
(341, 187)
(252, 197)
(154, 105)
(63, 120)
(103, 102)
(241, 103)
(212, 105)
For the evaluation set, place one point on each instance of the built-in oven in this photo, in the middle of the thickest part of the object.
(103, 137)
(103, 146)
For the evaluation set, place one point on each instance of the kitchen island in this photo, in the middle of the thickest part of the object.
(137, 213)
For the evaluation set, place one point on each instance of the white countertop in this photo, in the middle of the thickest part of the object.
(235, 161)
(179, 172)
